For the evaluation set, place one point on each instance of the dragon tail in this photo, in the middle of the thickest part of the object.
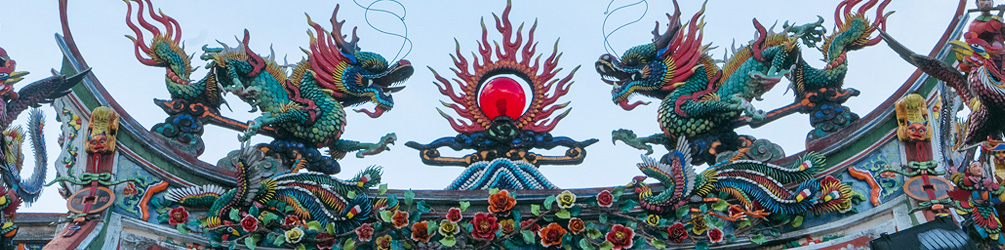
(30, 189)
(311, 201)
(368, 178)
(769, 195)
(804, 169)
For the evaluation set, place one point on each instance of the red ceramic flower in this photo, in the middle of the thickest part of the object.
(177, 216)
(501, 202)
(677, 233)
(485, 226)
(715, 235)
(249, 223)
(621, 236)
(454, 215)
(364, 232)
(605, 199)
(576, 225)
(532, 226)
(292, 221)
(400, 219)
(325, 240)
(420, 231)
(551, 235)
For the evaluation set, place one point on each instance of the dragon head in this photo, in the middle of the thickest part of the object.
(853, 29)
(834, 196)
(655, 69)
(353, 76)
(8, 76)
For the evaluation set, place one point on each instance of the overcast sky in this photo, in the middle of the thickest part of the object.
(27, 28)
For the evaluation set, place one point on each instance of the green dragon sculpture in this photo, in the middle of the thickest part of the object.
(303, 109)
(706, 102)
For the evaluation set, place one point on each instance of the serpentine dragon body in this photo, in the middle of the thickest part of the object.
(304, 107)
(705, 102)
(309, 196)
(758, 187)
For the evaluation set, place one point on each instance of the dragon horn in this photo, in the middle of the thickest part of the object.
(673, 26)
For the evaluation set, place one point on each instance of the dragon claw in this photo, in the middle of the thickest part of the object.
(630, 139)
(376, 148)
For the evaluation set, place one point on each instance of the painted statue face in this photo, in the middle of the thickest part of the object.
(975, 169)
(917, 131)
(101, 131)
(985, 4)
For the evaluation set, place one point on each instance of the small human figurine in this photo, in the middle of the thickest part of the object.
(985, 30)
(975, 195)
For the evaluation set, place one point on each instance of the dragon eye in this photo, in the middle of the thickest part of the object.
(637, 76)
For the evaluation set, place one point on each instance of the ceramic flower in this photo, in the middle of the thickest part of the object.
(249, 223)
(325, 240)
(508, 226)
(551, 235)
(291, 221)
(529, 224)
(454, 215)
(677, 233)
(501, 202)
(364, 232)
(384, 242)
(420, 231)
(485, 226)
(177, 216)
(293, 236)
(698, 225)
(653, 219)
(566, 199)
(400, 219)
(448, 228)
(621, 236)
(576, 225)
(605, 199)
(715, 235)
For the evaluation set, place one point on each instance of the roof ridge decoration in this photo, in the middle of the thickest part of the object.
(505, 100)
(302, 110)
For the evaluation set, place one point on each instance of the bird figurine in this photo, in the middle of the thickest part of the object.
(977, 79)
(11, 105)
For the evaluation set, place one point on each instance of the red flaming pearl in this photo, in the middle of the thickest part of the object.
(502, 96)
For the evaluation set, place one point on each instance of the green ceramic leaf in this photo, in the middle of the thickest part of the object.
(548, 201)
(409, 195)
(448, 241)
(528, 236)
(563, 214)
